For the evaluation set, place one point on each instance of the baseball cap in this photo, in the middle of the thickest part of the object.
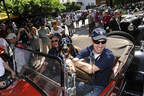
(98, 33)
(10, 36)
(57, 35)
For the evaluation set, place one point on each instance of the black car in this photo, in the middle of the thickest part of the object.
(132, 24)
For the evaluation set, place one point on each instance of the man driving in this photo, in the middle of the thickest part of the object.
(101, 61)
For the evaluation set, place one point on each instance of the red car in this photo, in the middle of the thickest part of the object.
(46, 75)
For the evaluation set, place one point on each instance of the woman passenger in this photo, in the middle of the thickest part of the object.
(55, 43)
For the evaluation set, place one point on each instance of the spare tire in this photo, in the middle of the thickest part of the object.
(122, 34)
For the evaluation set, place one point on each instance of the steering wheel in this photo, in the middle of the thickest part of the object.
(82, 75)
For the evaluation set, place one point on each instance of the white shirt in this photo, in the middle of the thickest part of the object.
(59, 17)
(2, 69)
(68, 21)
(57, 31)
(75, 17)
(95, 54)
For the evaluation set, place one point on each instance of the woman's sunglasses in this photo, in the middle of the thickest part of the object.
(98, 42)
(54, 41)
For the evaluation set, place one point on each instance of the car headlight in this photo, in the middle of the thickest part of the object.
(131, 27)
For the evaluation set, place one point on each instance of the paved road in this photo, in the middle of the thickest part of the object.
(81, 37)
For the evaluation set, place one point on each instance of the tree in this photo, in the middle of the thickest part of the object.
(72, 6)
(33, 7)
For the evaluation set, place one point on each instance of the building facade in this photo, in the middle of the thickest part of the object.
(84, 3)
(65, 1)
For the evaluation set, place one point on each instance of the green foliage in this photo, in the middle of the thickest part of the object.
(120, 2)
(123, 2)
(72, 6)
(33, 7)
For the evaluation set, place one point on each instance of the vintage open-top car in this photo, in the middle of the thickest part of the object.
(46, 75)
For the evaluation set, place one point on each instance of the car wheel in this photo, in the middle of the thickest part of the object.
(121, 34)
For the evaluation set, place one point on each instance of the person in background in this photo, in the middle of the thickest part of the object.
(58, 21)
(114, 24)
(56, 28)
(59, 17)
(96, 19)
(68, 23)
(20, 56)
(91, 22)
(35, 42)
(44, 35)
(72, 25)
(3, 32)
(106, 19)
(9, 30)
(76, 20)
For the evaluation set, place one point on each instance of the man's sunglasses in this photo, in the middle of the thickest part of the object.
(98, 42)
(54, 41)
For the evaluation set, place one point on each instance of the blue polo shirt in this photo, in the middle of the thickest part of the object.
(104, 62)
(54, 52)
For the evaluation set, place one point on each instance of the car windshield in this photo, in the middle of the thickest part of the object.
(45, 72)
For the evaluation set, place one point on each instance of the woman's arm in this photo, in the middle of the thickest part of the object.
(9, 69)
(19, 33)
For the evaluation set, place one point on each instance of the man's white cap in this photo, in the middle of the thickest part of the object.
(10, 36)
(117, 11)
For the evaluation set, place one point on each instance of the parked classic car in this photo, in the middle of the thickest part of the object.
(132, 24)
